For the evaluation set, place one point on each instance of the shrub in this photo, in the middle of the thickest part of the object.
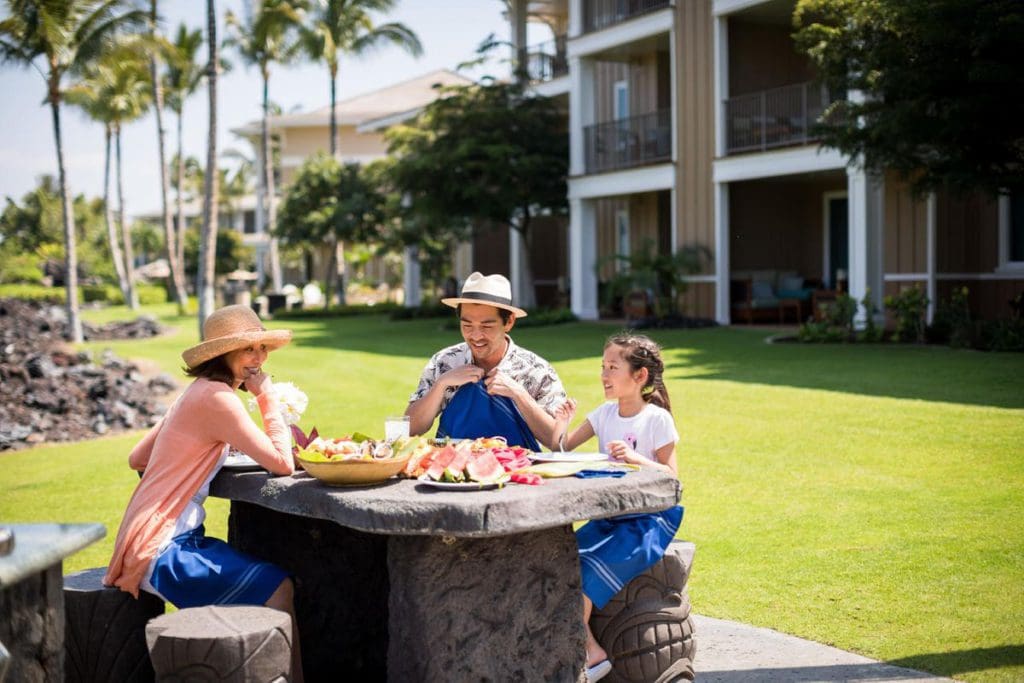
(837, 325)
(537, 318)
(952, 322)
(54, 295)
(908, 307)
(337, 311)
(18, 268)
(427, 311)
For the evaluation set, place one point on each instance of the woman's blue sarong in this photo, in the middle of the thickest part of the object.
(194, 571)
(473, 413)
(615, 551)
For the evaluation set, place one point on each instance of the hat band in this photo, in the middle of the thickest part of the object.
(480, 296)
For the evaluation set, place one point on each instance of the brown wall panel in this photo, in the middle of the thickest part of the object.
(695, 145)
(778, 223)
(490, 250)
(699, 300)
(762, 56)
(987, 299)
(646, 92)
(967, 233)
(905, 228)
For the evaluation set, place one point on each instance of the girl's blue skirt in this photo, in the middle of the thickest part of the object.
(615, 551)
(195, 570)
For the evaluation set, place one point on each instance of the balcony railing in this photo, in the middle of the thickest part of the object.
(780, 117)
(626, 143)
(599, 14)
(545, 61)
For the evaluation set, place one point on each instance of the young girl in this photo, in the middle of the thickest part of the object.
(635, 426)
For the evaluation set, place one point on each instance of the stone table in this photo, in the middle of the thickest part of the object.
(32, 597)
(402, 582)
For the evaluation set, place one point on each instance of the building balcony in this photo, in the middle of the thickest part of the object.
(601, 14)
(546, 61)
(629, 142)
(769, 119)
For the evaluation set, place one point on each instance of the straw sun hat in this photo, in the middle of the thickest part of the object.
(491, 290)
(232, 328)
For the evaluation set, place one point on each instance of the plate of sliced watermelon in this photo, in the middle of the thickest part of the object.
(462, 485)
(568, 457)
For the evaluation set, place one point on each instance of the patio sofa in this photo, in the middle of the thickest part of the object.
(766, 295)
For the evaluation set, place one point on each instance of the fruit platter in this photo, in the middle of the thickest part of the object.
(470, 464)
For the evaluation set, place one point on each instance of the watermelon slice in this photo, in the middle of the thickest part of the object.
(441, 460)
(485, 468)
(456, 468)
(527, 478)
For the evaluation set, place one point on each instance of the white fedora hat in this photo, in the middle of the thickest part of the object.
(490, 290)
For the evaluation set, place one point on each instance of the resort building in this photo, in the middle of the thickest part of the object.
(689, 125)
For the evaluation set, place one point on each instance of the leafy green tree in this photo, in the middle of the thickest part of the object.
(339, 27)
(268, 36)
(230, 254)
(181, 80)
(64, 35)
(329, 202)
(482, 155)
(929, 89)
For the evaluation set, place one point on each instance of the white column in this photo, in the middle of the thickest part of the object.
(521, 289)
(411, 277)
(581, 111)
(721, 81)
(673, 60)
(930, 255)
(575, 18)
(865, 217)
(582, 257)
(722, 308)
(517, 17)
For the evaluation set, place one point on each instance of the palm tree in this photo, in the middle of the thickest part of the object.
(176, 266)
(64, 34)
(90, 94)
(182, 79)
(206, 272)
(345, 26)
(269, 36)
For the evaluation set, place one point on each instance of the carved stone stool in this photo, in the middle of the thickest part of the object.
(222, 643)
(105, 630)
(646, 628)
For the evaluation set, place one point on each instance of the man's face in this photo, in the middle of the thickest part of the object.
(484, 331)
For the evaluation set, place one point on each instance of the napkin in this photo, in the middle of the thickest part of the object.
(589, 474)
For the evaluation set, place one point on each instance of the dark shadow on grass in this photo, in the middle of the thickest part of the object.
(733, 354)
(964, 661)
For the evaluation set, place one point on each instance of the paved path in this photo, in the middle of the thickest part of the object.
(729, 652)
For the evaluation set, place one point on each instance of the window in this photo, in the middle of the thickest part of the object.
(249, 218)
(1011, 231)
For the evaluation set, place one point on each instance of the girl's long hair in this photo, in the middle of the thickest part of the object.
(641, 351)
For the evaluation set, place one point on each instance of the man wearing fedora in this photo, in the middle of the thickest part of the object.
(487, 385)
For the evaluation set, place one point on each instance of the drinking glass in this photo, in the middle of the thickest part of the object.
(396, 427)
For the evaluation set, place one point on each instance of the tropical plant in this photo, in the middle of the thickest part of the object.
(659, 274)
(329, 202)
(181, 80)
(339, 27)
(206, 267)
(483, 155)
(909, 308)
(64, 35)
(268, 36)
(170, 247)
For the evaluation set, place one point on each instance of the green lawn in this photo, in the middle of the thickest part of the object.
(867, 497)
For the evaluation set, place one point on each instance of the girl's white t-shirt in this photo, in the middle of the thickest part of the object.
(645, 432)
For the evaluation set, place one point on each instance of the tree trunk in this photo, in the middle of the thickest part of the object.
(208, 238)
(73, 332)
(132, 299)
(334, 116)
(268, 183)
(179, 240)
(170, 244)
(108, 217)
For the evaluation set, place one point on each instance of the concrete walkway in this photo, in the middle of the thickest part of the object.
(729, 652)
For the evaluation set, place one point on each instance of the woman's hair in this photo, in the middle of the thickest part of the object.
(642, 352)
(216, 370)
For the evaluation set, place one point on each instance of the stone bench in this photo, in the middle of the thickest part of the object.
(646, 628)
(105, 630)
(222, 643)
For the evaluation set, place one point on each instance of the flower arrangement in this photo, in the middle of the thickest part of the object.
(292, 399)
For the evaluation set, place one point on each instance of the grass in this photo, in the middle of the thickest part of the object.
(869, 497)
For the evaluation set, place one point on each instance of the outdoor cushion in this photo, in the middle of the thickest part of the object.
(761, 289)
(790, 283)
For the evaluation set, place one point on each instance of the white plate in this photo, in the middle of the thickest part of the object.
(568, 457)
(460, 486)
(241, 462)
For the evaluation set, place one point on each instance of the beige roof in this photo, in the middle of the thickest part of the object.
(410, 95)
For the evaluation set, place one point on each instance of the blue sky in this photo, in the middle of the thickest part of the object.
(450, 31)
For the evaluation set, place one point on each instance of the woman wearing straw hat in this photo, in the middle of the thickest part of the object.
(161, 546)
(488, 385)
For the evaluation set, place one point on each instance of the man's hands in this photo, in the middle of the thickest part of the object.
(464, 374)
(500, 384)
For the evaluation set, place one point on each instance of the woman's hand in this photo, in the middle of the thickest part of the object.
(620, 450)
(257, 382)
